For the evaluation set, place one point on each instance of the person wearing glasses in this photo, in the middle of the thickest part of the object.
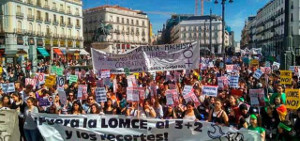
(89, 103)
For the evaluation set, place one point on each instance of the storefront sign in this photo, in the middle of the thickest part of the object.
(47, 42)
(62, 43)
(55, 42)
(70, 43)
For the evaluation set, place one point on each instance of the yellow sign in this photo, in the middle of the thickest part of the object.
(62, 43)
(1, 70)
(47, 42)
(77, 43)
(50, 81)
(292, 98)
(55, 42)
(70, 44)
(254, 62)
(285, 77)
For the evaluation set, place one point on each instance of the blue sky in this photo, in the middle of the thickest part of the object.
(235, 15)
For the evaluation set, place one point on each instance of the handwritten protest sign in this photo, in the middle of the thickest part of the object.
(257, 74)
(101, 94)
(131, 81)
(62, 96)
(141, 93)
(229, 68)
(210, 90)
(266, 70)
(254, 62)
(153, 89)
(169, 97)
(60, 83)
(82, 91)
(50, 81)
(292, 99)
(285, 77)
(29, 81)
(44, 101)
(105, 73)
(40, 77)
(234, 81)
(187, 89)
(73, 78)
(257, 97)
(133, 94)
(59, 71)
(8, 87)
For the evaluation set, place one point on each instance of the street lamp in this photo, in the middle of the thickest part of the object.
(223, 27)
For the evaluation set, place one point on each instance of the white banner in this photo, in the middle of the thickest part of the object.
(118, 128)
(149, 58)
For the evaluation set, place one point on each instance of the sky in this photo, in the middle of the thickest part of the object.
(235, 13)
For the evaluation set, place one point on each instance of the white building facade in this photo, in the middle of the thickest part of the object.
(128, 28)
(198, 29)
(39, 27)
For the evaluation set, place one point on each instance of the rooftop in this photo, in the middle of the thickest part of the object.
(110, 6)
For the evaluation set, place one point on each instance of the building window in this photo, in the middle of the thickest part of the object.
(19, 25)
(127, 21)
(132, 21)
(143, 23)
(54, 18)
(30, 11)
(30, 27)
(292, 17)
(48, 31)
(46, 2)
(46, 16)
(137, 22)
(122, 20)
(39, 28)
(18, 9)
(118, 20)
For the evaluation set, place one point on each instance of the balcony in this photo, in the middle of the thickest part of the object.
(48, 35)
(20, 15)
(77, 14)
(54, 8)
(61, 10)
(39, 34)
(39, 19)
(30, 17)
(19, 31)
(55, 35)
(30, 2)
(55, 22)
(70, 25)
(77, 26)
(47, 6)
(48, 21)
(69, 13)
(62, 24)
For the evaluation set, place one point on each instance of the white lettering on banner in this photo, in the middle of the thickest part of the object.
(257, 74)
(101, 94)
(210, 90)
(187, 89)
(149, 58)
(60, 83)
(234, 81)
(113, 127)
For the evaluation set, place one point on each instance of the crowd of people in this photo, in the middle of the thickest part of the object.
(273, 121)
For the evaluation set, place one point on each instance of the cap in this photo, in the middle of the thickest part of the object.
(252, 116)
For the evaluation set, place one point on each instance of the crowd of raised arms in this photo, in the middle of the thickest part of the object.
(231, 106)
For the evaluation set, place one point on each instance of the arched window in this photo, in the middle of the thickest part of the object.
(48, 30)
(30, 27)
(39, 28)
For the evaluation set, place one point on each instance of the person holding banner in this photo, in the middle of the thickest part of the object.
(5, 103)
(218, 115)
(253, 126)
(77, 108)
(30, 127)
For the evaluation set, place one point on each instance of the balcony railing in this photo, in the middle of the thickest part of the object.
(54, 8)
(47, 21)
(20, 15)
(30, 17)
(46, 6)
(77, 26)
(55, 22)
(62, 10)
(77, 14)
(70, 25)
(48, 35)
(39, 19)
(55, 35)
(39, 33)
(62, 24)
(69, 13)
(30, 2)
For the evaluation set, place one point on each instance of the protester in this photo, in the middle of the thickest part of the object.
(30, 127)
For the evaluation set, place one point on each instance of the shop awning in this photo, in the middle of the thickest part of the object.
(57, 51)
(81, 51)
(43, 51)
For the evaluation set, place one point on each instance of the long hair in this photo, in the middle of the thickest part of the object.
(97, 107)
(80, 109)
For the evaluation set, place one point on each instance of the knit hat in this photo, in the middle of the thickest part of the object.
(282, 112)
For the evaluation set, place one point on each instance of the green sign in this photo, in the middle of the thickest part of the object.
(73, 78)
(53, 69)
(127, 71)
(59, 71)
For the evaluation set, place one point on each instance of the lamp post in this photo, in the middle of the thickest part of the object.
(223, 27)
